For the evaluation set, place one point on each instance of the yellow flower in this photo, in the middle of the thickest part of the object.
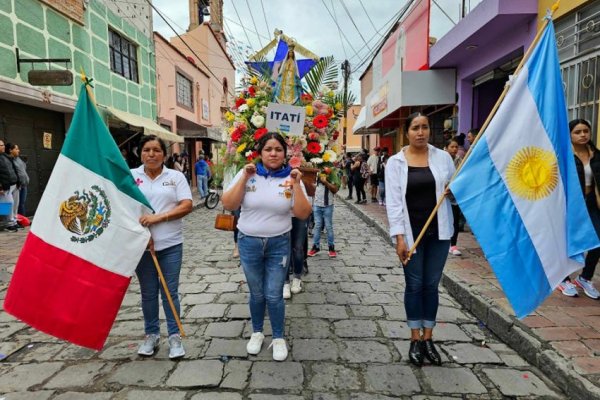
(330, 93)
(335, 148)
(231, 130)
(309, 110)
(338, 106)
(251, 102)
(326, 157)
(241, 148)
(229, 116)
(253, 80)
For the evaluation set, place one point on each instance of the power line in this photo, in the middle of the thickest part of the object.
(339, 32)
(354, 23)
(254, 23)
(367, 14)
(242, 24)
(265, 15)
(338, 25)
(187, 45)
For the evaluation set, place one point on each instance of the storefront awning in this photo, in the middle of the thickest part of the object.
(406, 89)
(150, 127)
(190, 129)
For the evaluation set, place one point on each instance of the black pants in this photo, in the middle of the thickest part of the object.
(456, 216)
(359, 184)
(350, 185)
(592, 257)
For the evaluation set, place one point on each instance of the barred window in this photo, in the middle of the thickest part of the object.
(185, 95)
(123, 56)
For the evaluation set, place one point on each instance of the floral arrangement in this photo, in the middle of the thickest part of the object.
(317, 147)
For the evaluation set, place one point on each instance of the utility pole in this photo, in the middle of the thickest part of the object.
(346, 76)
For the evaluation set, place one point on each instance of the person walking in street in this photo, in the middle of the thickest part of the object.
(452, 147)
(587, 162)
(20, 192)
(360, 173)
(348, 169)
(8, 184)
(202, 174)
(323, 211)
(169, 195)
(383, 158)
(373, 164)
(415, 178)
(270, 193)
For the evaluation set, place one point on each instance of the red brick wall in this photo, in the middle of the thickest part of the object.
(70, 8)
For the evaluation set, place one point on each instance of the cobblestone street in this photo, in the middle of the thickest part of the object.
(346, 333)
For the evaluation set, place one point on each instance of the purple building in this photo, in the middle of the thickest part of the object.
(485, 48)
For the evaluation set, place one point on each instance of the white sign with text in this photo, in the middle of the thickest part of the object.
(286, 118)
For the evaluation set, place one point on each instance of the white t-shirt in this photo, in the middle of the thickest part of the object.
(164, 193)
(266, 206)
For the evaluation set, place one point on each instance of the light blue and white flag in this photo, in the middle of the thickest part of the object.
(519, 188)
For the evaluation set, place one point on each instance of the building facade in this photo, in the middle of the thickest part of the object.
(110, 41)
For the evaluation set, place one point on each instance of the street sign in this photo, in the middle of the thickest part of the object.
(50, 77)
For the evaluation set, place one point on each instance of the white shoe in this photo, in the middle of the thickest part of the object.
(286, 291)
(280, 351)
(296, 286)
(454, 251)
(176, 349)
(149, 345)
(255, 343)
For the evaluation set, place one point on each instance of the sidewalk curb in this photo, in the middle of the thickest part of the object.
(508, 328)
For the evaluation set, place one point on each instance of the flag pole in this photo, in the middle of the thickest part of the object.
(547, 20)
(166, 289)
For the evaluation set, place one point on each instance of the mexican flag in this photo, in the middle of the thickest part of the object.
(85, 240)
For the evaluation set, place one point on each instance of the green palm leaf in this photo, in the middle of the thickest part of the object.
(323, 74)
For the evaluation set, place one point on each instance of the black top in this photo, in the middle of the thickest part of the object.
(421, 199)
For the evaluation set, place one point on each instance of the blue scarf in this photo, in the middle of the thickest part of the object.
(280, 173)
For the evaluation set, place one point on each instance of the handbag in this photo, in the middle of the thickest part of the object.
(225, 222)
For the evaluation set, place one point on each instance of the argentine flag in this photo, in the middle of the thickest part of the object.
(519, 188)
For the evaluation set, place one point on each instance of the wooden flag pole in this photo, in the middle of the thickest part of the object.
(166, 289)
(484, 126)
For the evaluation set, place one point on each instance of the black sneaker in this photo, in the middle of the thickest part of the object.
(12, 228)
(348, 198)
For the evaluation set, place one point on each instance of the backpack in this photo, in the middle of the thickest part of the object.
(364, 170)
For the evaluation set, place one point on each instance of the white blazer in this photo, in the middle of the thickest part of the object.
(396, 176)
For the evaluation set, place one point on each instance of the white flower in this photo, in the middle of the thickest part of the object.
(316, 160)
(332, 155)
(243, 107)
(248, 153)
(257, 120)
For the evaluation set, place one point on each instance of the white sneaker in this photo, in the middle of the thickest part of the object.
(454, 251)
(296, 286)
(176, 349)
(255, 343)
(567, 288)
(149, 345)
(280, 351)
(286, 291)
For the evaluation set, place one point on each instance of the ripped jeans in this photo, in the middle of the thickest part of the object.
(265, 261)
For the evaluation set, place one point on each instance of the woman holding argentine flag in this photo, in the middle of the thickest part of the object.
(414, 179)
(169, 195)
(587, 161)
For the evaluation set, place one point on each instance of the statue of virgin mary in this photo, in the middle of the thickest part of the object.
(288, 87)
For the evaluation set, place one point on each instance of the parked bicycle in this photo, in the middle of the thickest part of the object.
(212, 199)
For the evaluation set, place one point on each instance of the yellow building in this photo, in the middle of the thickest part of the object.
(577, 26)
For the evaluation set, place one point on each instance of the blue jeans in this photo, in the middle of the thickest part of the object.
(422, 275)
(202, 185)
(323, 213)
(169, 260)
(382, 190)
(265, 262)
(299, 246)
(22, 200)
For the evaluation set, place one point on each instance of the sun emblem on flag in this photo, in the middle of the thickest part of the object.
(86, 214)
(532, 173)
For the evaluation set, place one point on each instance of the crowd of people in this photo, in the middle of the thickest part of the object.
(274, 210)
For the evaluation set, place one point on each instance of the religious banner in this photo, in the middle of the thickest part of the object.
(285, 118)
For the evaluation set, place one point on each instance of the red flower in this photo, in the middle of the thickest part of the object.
(306, 97)
(240, 101)
(252, 156)
(336, 134)
(313, 147)
(243, 127)
(236, 135)
(252, 91)
(320, 121)
(260, 132)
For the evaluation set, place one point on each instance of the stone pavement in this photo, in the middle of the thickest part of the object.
(562, 337)
(346, 332)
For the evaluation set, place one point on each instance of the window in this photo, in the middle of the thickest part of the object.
(185, 96)
(123, 56)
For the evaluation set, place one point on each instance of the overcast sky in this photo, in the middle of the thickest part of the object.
(310, 23)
